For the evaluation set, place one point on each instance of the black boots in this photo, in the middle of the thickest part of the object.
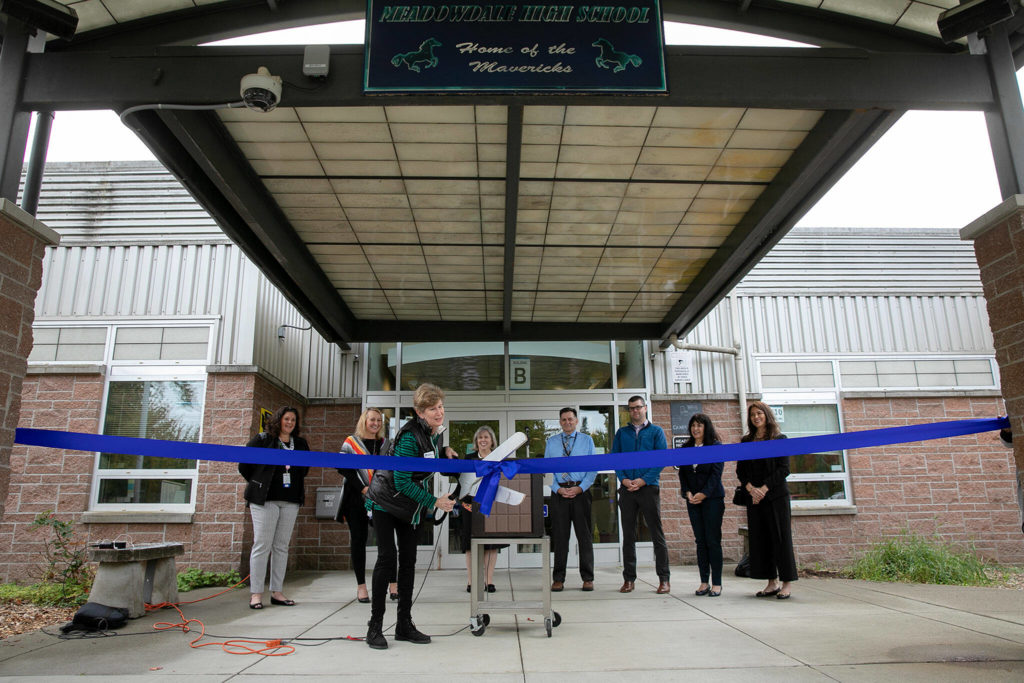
(375, 636)
(406, 630)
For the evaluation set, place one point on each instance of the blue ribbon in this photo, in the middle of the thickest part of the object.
(491, 471)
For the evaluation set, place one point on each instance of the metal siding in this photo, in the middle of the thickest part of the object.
(872, 261)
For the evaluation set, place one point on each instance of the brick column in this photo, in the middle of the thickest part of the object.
(999, 247)
(22, 240)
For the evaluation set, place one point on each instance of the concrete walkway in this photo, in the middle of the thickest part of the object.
(830, 630)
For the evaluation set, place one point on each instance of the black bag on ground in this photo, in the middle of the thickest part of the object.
(93, 616)
(743, 566)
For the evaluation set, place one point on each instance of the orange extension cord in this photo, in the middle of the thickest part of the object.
(270, 648)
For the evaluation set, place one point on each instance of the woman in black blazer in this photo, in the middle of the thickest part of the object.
(274, 494)
(701, 485)
(768, 511)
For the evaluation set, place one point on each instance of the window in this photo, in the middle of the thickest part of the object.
(454, 366)
(818, 478)
(68, 344)
(562, 366)
(944, 373)
(151, 407)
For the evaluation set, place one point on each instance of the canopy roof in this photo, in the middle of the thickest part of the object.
(486, 217)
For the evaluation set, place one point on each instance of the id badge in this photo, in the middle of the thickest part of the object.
(430, 454)
(286, 479)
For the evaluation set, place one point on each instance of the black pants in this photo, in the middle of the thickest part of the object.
(706, 520)
(389, 529)
(646, 501)
(575, 513)
(358, 532)
(771, 540)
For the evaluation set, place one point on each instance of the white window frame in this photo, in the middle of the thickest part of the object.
(147, 373)
(829, 396)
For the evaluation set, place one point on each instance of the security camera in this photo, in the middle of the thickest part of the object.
(261, 91)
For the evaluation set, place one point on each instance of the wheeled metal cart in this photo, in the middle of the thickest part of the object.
(480, 604)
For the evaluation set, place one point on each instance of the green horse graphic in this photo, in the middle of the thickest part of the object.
(424, 56)
(610, 56)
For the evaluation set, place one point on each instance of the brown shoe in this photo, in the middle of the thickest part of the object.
(663, 587)
(627, 587)
(557, 586)
(588, 585)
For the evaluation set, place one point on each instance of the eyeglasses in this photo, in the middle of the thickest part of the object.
(637, 407)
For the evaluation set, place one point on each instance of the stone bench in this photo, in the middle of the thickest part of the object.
(131, 578)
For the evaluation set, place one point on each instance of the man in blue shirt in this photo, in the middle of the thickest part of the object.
(570, 502)
(639, 493)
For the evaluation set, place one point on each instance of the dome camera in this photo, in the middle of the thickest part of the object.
(261, 91)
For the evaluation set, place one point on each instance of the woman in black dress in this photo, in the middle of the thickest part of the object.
(768, 510)
(701, 486)
(371, 438)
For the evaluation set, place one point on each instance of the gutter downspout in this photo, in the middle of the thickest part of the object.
(736, 351)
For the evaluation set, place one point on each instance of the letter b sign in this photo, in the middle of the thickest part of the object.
(519, 372)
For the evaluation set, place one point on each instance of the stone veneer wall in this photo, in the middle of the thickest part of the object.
(961, 489)
(22, 242)
(220, 534)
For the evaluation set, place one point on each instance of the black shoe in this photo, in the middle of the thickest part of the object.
(491, 588)
(702, 592)
(394, 596)
(375, 637)
(406, 630)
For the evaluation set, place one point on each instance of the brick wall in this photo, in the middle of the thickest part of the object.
(962, 489)
(220, 536)
(45, 479)
(21, 272)
(999, 249)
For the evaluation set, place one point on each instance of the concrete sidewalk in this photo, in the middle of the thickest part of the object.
(830, 630)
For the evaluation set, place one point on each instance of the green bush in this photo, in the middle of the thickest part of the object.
(45, 594)
(197, 578)
(915, 559)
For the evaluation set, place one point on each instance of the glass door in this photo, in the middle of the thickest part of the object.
(462, 426)
(597, 422)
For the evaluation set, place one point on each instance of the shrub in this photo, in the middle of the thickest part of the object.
(45, 594)
(67, 567)
(197, 578)
(916, 559)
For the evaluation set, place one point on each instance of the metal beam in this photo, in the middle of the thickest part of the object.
(782, 78)
(828, 151)
(1005, 120)
(14, 120)
(209, 144)
(791, 21)
(215, 21)
(443, 331)
(513, 154)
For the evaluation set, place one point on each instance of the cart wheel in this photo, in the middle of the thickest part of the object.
(557, 619)
(480, 622)
(547, 626)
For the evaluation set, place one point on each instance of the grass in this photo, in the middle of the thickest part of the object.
(193, 578)
(45, 594)
(916, 559)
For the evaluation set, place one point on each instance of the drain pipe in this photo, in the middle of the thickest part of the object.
(736, 351)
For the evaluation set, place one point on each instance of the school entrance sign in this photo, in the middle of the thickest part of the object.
(513, 47)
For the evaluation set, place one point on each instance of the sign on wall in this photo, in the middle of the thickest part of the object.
(265, 416)
(519, 372)
(513, 47)
(681, 412)
(681, 363)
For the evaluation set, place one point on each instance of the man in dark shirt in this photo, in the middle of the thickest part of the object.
(639, 492)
